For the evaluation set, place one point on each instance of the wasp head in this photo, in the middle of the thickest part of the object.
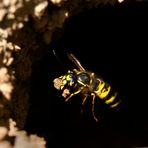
(67, 80)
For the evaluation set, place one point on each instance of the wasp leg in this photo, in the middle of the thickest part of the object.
(93, 106)
(84, 100)
(72, 95)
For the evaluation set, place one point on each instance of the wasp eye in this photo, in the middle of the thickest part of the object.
(72, 78)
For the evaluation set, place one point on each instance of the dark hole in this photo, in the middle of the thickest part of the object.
(111, 42)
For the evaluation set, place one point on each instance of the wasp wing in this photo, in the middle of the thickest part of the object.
(76, 61)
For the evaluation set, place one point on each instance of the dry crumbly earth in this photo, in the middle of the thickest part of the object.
(19, 48)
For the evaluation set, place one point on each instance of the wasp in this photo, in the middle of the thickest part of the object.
(88, 84)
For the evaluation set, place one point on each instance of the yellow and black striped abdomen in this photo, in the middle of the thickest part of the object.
(104, 92)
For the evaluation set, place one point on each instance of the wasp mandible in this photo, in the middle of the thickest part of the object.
(88, 84)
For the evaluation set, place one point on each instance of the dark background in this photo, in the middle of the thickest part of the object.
(112, 42)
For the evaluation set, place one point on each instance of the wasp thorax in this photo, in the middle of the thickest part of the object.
(84, 78)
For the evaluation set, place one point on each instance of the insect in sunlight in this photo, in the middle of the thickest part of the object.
(88, 84)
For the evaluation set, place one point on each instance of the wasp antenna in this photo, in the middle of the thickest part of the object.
(76, 61)
(57, 57)
(54, 52)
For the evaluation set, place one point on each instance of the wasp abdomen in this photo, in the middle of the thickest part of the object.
(105, 92)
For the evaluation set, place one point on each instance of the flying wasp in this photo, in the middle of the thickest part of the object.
(88, 84)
